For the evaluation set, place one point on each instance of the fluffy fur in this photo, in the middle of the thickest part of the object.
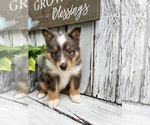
(62, 69)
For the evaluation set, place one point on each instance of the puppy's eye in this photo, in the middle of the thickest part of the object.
(70, 52)
(54, 53)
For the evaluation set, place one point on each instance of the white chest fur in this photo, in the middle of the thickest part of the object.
(64, 75)
(64, 80)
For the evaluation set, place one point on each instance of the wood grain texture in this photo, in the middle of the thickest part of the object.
(90, 112)
(22, 111)
(15, 14)
(132, 48)
(106, 51)
(145, 88)
(13, 113)
(135, 114)
(6, 38)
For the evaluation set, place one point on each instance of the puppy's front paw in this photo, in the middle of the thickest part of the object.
(41, 95)
(53, 104)
(20, 95)
(76, 98)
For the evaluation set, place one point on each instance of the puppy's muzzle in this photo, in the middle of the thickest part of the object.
(63, 66)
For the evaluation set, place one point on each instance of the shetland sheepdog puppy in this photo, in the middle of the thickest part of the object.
(62, 69)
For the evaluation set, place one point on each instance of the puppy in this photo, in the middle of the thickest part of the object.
(62, 69)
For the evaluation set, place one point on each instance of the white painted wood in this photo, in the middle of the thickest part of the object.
(13, 113)
(135, 114)
(29, 112)
(86, 43)
(132, 47)
(10, 95)
(27, 101)
(89, 89)
(106, 51)
(91, 110)
(6, 38)
(145, 89)
(18, 38)
(45, 116)
(2, 41)
(39, 41)
(31, 38)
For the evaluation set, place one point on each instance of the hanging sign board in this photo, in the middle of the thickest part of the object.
(13, 14)
(53, 13)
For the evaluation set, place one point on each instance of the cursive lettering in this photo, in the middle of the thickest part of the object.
(65, 14)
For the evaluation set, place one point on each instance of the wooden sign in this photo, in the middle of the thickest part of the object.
(13, 14)
(52, 13)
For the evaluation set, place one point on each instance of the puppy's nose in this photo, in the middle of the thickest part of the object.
(63, 66)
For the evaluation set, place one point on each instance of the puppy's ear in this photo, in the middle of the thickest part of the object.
(47, 35)
(75, 33)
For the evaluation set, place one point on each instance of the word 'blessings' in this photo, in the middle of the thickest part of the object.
(61, 13)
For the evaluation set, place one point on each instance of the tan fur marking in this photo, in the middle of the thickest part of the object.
(54, 95)
(70, 63)
(23, 86)
(68, 47)
(76, 56)
(57, 65)
(76, 34)
(55, 48)
(52, 74)
(49, 57)
(73, 92)
(51, 60)
(42, 92)
(43, 86)
(22, 91)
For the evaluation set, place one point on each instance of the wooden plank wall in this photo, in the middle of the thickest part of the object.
(145, 87)
(115, 51)
(106, 51)
(134, 50)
